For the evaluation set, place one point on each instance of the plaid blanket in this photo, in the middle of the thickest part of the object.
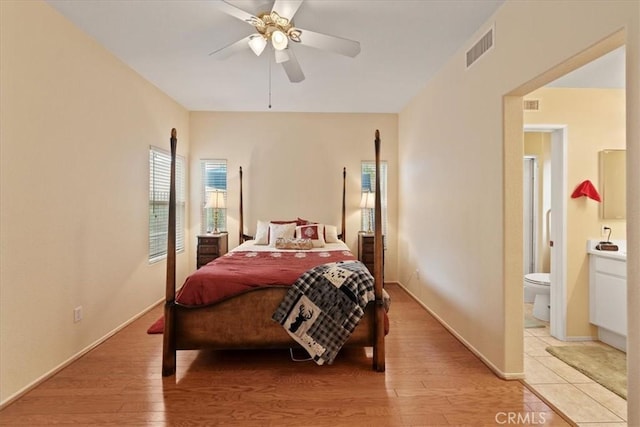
(324, 306)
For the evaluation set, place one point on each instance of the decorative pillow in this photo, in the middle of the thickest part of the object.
(277, 231)
(301, 221)
(331, 234)
(315, 232)
(283, 222)
(298, 244)
(262, 233)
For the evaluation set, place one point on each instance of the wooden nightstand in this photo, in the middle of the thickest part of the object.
(210, 247)
(366, 254)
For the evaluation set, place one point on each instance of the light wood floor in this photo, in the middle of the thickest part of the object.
(431, 379)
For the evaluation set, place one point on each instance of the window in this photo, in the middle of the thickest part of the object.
(368, 171)
(214, 183)
(159, 177)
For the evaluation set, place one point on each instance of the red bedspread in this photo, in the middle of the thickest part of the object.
(238, 271)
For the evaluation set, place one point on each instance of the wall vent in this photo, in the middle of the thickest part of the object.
(481, 47)
(531, 105)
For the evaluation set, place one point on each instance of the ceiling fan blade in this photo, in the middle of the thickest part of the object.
(292, 68)
(235, 47)
(256, 5)
(332, 43)
(236, 12)
(281, 55)
(286, 8)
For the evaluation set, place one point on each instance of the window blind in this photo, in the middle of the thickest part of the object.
(159, 180)
(214, 178)
(368, 171)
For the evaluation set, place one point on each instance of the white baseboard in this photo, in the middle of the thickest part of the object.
(73, 358)
(472, 349)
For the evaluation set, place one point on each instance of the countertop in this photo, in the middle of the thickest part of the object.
(620, 254)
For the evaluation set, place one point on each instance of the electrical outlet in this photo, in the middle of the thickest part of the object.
(77, 314)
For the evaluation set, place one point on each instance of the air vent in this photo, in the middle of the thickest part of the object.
(531, 105)
(481, 47)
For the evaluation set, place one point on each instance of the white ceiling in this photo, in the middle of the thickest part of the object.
(403, 42)
(605, 72)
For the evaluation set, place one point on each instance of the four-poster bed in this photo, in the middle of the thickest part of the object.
(244, 320)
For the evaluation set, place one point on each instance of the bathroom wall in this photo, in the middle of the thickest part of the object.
(595, 120)
(538, 144)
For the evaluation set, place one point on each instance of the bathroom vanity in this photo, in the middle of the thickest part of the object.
(608, 293)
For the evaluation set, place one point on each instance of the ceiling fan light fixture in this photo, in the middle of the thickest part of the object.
(257, 44)
(294, 34)
(279, 40)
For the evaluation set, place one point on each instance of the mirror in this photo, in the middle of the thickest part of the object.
(613, 188)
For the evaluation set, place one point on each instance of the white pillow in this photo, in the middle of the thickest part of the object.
(262, 233)
(284, 231)
(315, 232)
(331, 234)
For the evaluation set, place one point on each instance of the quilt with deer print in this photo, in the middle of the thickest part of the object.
(324, 306)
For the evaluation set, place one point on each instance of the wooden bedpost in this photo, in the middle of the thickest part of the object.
(378, 272)
(344, 204)
(169, 339)
(240, 216)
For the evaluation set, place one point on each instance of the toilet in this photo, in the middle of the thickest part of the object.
(537, 290)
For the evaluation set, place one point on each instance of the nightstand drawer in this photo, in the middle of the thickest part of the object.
(209, 249)
(366, 251)
(206, 240)
(202, 260)
(367, 257)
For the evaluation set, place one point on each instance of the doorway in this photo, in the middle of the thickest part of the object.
(557, 221)
(560, 202)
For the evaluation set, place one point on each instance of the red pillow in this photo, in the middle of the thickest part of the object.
(301, 221)
(309, 232)
(307, 222)
(315, 232)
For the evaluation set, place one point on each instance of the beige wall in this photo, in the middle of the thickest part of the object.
(76, 129)
(69, 110)
(595, 120)
(292, 166)
(464, 231)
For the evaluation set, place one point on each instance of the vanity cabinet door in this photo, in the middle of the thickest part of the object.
(609, 310)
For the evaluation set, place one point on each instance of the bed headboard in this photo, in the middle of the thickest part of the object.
(242, 237)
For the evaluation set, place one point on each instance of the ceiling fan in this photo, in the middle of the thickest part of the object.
(277, 27)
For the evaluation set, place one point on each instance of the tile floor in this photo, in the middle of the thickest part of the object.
(581, 399)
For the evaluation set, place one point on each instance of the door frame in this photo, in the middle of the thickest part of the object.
(534, 243)
(558, 229)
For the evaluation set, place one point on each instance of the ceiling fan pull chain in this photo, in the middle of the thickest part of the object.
(269, 83)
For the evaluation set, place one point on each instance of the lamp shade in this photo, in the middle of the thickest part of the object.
(257, 43)
(368, 200)
(215, 200)
(279, 40)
